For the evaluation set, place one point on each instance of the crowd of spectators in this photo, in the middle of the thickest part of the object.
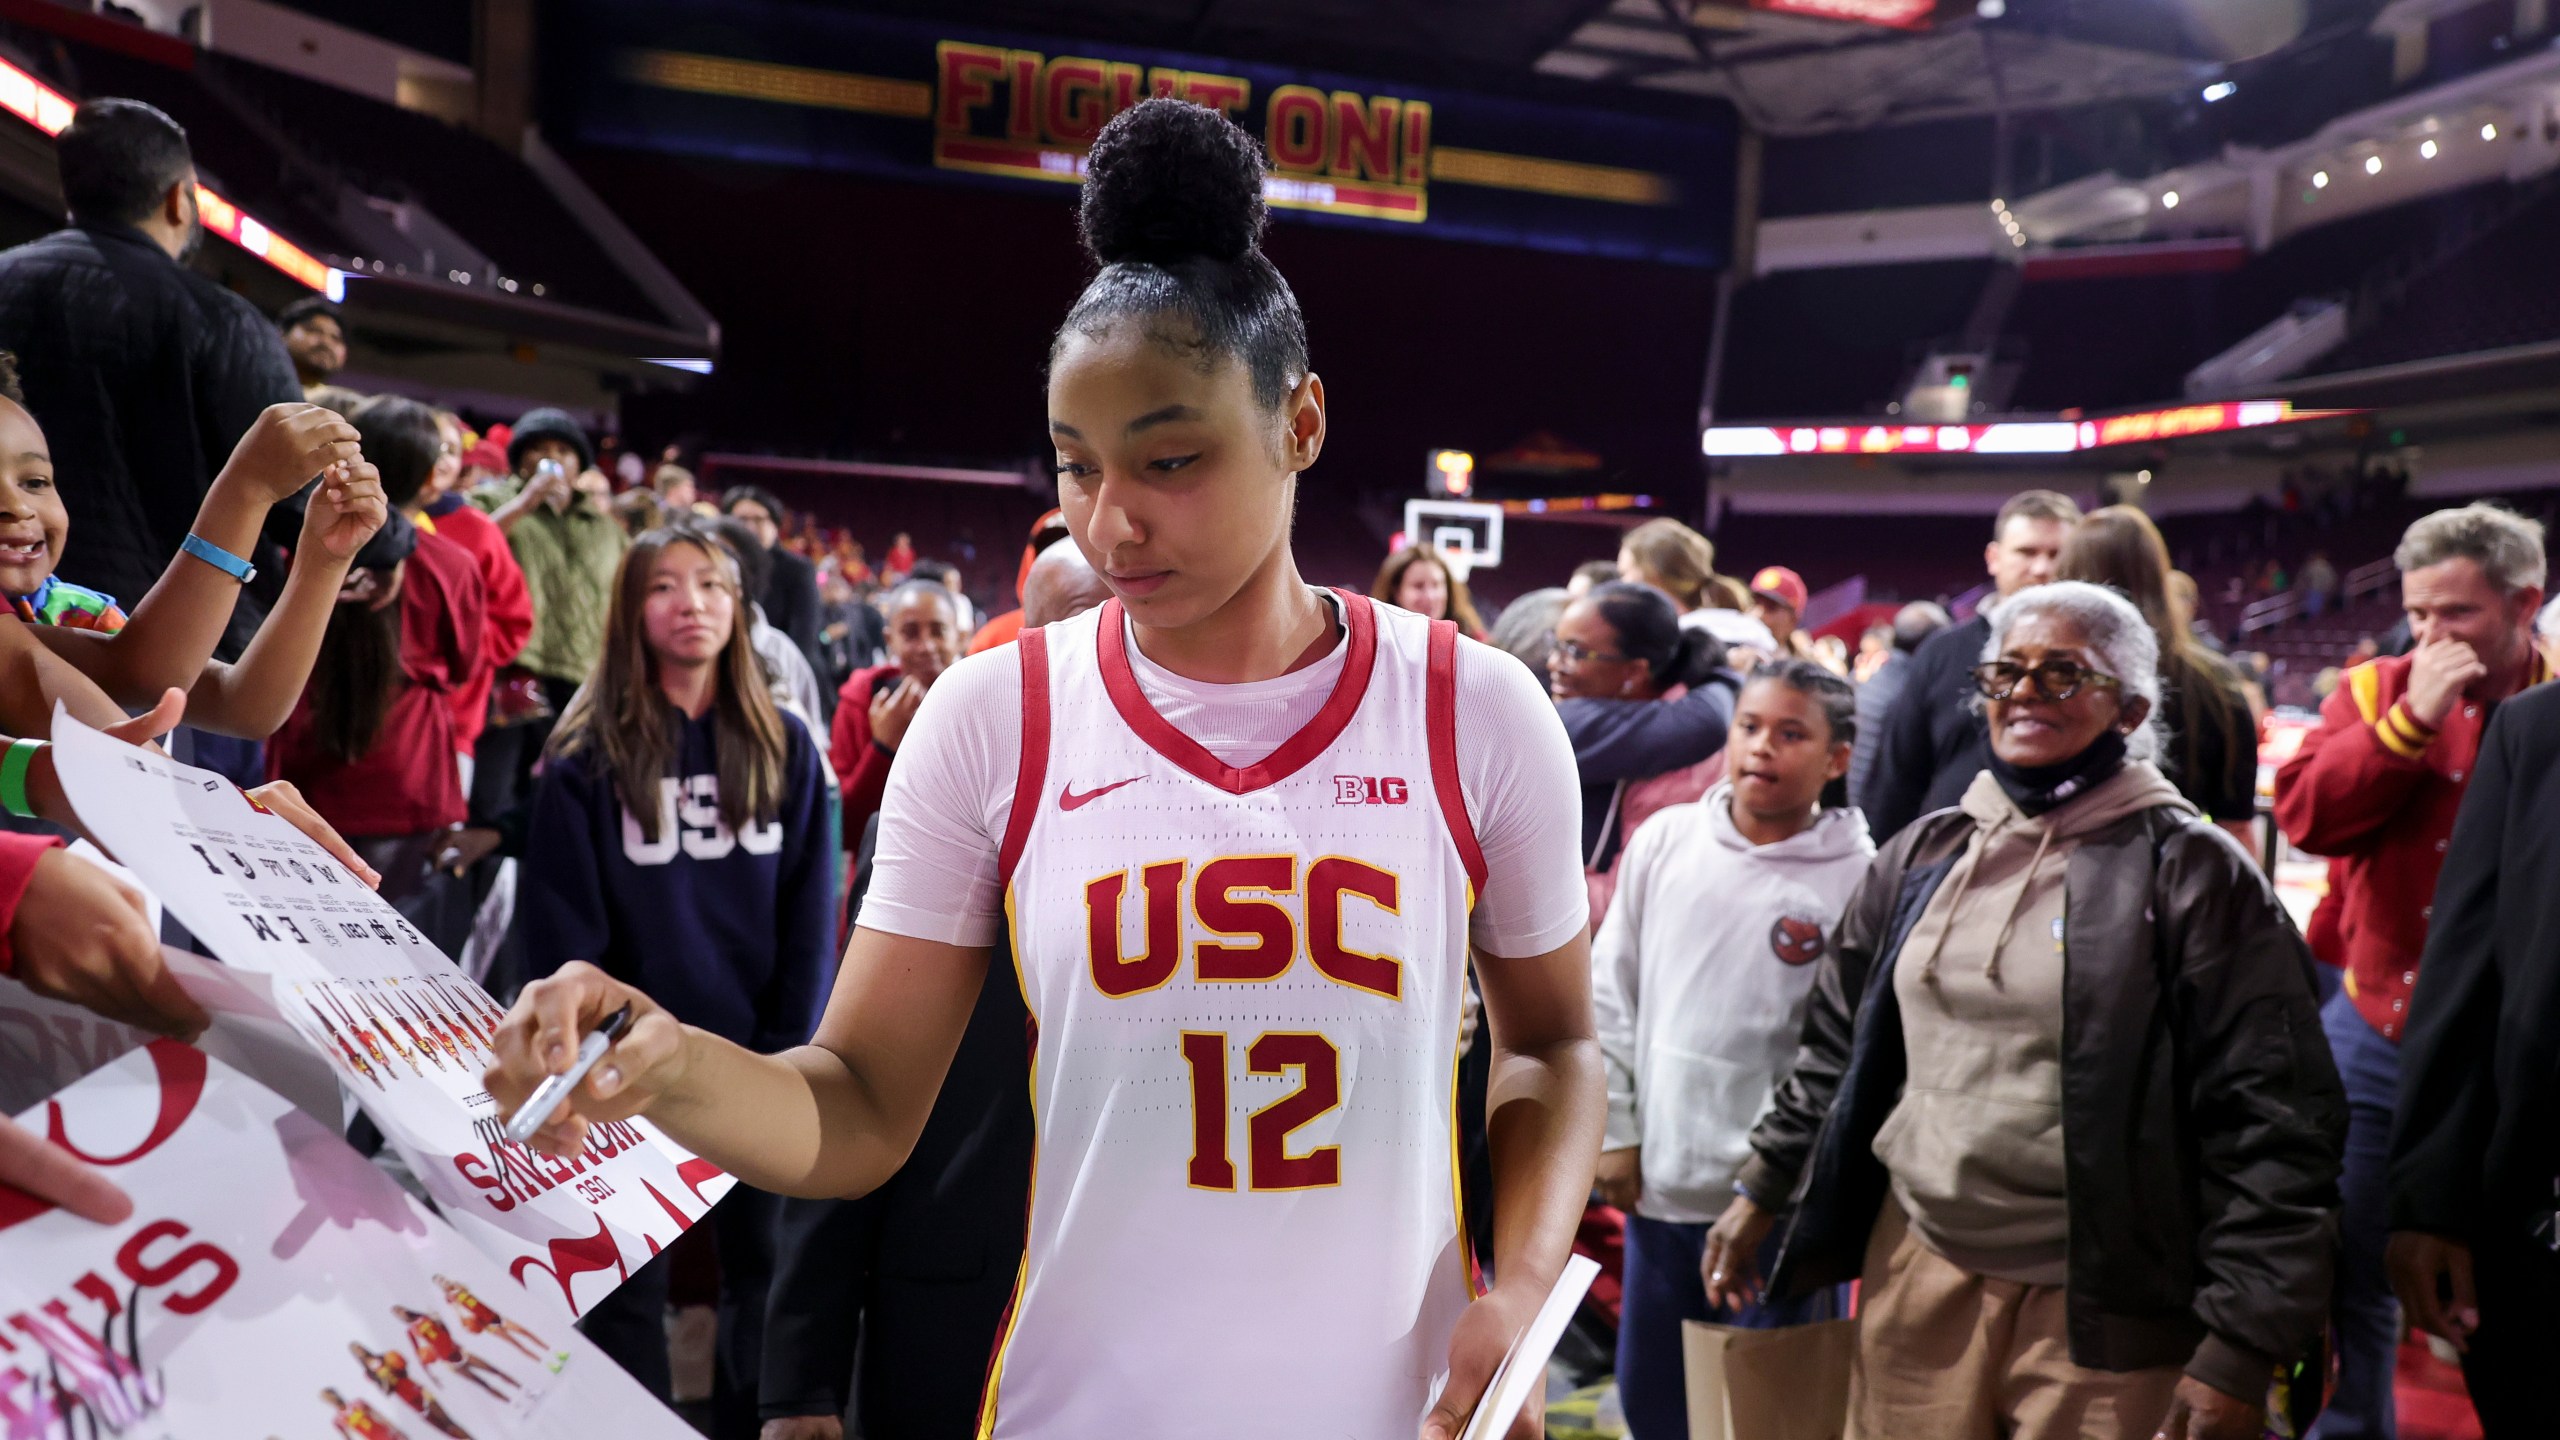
(1933, 965)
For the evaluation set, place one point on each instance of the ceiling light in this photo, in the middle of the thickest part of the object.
(2426, 150)
(1991, 9)
(2169, 201)
(2018, 240)
(2373, 164)
(2489, 131)
(2220, 90)
(2319, 179)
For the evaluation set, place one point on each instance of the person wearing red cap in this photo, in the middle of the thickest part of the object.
(1778, 597)
(1004, 629)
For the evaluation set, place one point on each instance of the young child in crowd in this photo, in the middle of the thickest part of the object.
(678, 840)
(371, 742)
(1701, 974)
(167, 641)
(439, 509)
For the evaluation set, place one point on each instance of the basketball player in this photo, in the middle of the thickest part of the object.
(357, 1420)
(1244, 830)
(390, 1374)
(435, 1345)
(479, 1319)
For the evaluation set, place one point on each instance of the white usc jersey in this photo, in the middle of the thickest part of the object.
(1245, 985)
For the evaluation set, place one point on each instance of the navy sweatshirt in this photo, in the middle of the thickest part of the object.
(732, 933)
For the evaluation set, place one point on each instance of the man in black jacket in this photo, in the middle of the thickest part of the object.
(1913, 625)
(1932, 744)
(143, 372)
(2475, 1144)
(790, 597)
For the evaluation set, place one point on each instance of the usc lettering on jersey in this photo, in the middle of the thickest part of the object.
(1245, 986)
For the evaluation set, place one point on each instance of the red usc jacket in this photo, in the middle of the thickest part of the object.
(2377, 791)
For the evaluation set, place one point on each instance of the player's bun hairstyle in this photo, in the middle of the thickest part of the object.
(1172, 211)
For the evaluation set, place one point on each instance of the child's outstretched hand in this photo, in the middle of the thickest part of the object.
(286, 446)
(345, 510)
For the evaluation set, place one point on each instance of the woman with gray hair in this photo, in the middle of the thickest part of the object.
(2061, 1098)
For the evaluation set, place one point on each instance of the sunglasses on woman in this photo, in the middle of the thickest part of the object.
(2055, 679)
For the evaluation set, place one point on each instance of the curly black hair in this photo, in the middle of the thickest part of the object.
(1173, 213)
(10, 390)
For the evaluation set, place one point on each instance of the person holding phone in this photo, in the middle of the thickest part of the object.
(568, 545)
(878, 704)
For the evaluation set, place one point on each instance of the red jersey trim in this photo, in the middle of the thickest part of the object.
(1033, 772)
(1440, 716)
(1312, 739)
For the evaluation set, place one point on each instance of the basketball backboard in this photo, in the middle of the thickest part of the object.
(1467, 533)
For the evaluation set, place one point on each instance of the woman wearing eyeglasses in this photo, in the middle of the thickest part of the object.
(2062, 1099)
(1645, 701)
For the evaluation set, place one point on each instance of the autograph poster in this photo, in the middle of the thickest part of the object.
(407, 1031)
(270, 1285)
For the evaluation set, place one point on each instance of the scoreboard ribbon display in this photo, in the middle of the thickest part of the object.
(786, 85)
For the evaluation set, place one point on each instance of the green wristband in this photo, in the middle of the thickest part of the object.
(14, 764)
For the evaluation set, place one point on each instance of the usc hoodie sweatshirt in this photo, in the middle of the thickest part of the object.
(1701, 976)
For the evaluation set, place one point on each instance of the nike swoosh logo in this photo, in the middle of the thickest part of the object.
(1068, 799)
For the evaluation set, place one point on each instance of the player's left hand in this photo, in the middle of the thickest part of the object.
(1484, 1335)
(286, 801)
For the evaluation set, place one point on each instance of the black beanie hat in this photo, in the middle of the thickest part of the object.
(548, 424)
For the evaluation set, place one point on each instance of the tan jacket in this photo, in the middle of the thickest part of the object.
(1975, 1146)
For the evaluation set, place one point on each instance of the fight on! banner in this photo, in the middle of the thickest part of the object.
(408, 1032)
(822, 87)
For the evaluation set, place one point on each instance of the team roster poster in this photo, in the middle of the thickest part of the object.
(407, 1031)
(271, 1284)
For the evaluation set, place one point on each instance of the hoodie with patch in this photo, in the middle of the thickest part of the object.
(1975, 1145)
(1701, 974)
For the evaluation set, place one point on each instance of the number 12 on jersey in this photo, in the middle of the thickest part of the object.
(1319, 1069)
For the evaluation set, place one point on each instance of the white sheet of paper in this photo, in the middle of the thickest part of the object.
(406, 1031)
(265, 1263)
(47, 1044)
(249, 1035)
(1524, 1370)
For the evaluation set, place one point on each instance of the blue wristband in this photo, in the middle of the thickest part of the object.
(219, 558)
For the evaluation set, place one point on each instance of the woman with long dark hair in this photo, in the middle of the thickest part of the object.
(1241, 831)
(371, 743)
(2211, 753)
(678, 843)
(1420, 580)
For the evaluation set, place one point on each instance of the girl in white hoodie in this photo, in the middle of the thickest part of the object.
(1702, 970)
